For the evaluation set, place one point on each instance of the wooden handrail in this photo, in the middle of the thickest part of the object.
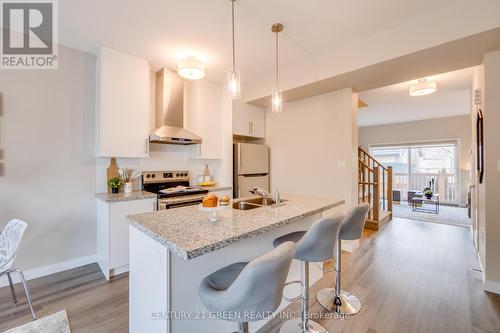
(374, 184)
(372, 158)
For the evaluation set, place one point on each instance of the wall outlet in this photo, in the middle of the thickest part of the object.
(341, 164)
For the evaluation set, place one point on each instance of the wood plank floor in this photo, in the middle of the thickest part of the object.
(411, 277)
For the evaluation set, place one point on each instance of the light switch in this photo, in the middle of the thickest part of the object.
(341, 164)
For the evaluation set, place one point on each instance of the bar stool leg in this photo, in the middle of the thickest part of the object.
(303, 325)
(338, 300)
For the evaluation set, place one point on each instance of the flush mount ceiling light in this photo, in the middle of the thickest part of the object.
(233, 77)
(423, 87)
(191, 68)
(277, 99)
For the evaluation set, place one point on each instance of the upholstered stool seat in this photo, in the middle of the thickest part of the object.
(248, 291)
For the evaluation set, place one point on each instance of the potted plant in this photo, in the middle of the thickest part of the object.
(115, 184)
(427, 192)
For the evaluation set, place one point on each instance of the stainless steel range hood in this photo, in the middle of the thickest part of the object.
(169, 111)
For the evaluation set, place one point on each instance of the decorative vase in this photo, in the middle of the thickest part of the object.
(128, 187)
(114, 190)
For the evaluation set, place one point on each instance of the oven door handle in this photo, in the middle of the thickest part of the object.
(173, 201)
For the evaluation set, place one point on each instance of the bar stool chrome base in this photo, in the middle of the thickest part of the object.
(349, 304)
(295, 326)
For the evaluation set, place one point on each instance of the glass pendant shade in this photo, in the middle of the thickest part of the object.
(277, 101)
(233, 84)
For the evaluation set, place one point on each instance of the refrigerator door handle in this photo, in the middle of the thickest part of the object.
(239, 158)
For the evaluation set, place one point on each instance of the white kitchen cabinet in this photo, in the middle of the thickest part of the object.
(123, 105)
(248, 120)
(203, 116)
(112, 233)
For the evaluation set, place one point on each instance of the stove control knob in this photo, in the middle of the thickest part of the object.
(148, 175)
(153, 175)
(177, 174)
(185, 174)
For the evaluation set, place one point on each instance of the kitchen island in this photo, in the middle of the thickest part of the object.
(171, 251)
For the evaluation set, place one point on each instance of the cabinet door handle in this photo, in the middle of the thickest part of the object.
(147, 146)
(250, 127)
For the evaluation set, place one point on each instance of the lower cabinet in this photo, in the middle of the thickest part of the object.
(112, 233)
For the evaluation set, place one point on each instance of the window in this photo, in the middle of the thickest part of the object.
(418, 166)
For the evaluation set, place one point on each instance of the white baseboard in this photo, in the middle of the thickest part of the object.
(49, 269)
(492, 287)
(119, 270)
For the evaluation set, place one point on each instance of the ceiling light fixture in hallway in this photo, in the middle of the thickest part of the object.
(423, 87)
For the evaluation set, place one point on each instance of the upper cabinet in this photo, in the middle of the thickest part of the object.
(248, 120)
(123, 105)
(203, 115)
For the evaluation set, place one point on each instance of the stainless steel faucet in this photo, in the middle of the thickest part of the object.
(265, 194)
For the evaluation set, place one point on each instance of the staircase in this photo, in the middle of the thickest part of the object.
(375, 188)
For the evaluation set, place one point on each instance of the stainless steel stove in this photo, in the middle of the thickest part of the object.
(172, 188)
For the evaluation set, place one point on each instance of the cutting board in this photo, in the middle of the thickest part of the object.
(113, 172)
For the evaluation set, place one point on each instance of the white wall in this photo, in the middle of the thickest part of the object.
(47, 134)
(492, 170)
(307, 142)
(450, 128)
(478, 193)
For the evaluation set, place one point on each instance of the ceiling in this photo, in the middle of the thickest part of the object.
(393, 104)
(164, 31)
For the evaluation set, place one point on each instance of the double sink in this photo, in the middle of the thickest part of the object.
(256, 203)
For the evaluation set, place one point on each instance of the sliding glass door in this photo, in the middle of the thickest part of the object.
(420, 165)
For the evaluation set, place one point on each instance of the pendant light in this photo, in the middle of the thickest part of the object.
(276, 98)
(233, 77)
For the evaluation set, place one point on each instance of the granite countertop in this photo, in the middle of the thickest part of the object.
(187, 232)
(117, 197)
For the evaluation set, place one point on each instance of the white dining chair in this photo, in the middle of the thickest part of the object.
(10, 238)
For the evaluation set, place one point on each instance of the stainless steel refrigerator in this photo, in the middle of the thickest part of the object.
(250, 167)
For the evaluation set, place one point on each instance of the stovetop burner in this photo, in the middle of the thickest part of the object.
(167, 184)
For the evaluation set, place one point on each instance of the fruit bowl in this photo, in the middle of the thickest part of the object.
(212, 211)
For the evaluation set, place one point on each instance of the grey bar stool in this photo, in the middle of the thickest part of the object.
(338, 300)
(248, 291)
(315, 245)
